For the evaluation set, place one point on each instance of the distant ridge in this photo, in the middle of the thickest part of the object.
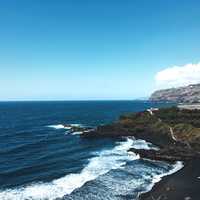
(187, 94)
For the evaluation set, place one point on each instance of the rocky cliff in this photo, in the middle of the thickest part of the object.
(176, 131)
(188, 94)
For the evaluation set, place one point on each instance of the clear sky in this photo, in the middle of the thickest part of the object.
(93, 49)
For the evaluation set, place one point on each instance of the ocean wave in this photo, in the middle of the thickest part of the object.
(142, 144)
(57, 126)
(125, 182)
(175, 167)
(105, 161)
(61, 126)
(158, 177)
(77, 125)
(73, 133)
(77, 133)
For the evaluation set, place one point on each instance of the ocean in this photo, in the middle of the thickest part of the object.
(41, 160)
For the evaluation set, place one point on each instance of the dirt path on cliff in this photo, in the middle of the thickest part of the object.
(172, 134)
(170, 128)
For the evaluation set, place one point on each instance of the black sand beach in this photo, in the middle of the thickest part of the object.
(183, 185)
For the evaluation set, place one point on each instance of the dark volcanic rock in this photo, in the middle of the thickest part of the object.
(74, 128)
(175, 131)
(170, 154)
(112, 130)
(140, 125)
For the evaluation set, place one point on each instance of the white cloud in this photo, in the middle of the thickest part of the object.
(177, 76)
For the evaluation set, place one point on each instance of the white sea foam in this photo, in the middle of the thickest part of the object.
(142, 144)
(77, 133)
(57, 126)
(176, 167)
(99, 165)
(157, 178)
(77, 125)
(102, 163)
(61, 126)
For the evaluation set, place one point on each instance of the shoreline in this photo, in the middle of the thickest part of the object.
(181, 185)
(176, 132)
(177, 166)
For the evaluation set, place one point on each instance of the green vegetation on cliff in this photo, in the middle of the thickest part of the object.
(166, 126)
(175, 116)
(146, 126)
(163, 127)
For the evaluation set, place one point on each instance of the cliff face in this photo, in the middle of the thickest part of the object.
(188, 94)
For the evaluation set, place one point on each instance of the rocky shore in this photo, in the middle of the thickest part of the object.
(177, 134)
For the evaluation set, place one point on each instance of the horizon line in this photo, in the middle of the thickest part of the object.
(46, 100)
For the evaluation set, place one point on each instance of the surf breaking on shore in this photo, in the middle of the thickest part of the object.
(73, 129)
(61, 126)
(99, 165)
(102, 163)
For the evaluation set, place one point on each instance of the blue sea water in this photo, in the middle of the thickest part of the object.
(40, 159)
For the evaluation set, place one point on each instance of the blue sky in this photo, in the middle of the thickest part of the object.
(93, 49)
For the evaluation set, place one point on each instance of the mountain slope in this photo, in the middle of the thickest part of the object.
(187, 94)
